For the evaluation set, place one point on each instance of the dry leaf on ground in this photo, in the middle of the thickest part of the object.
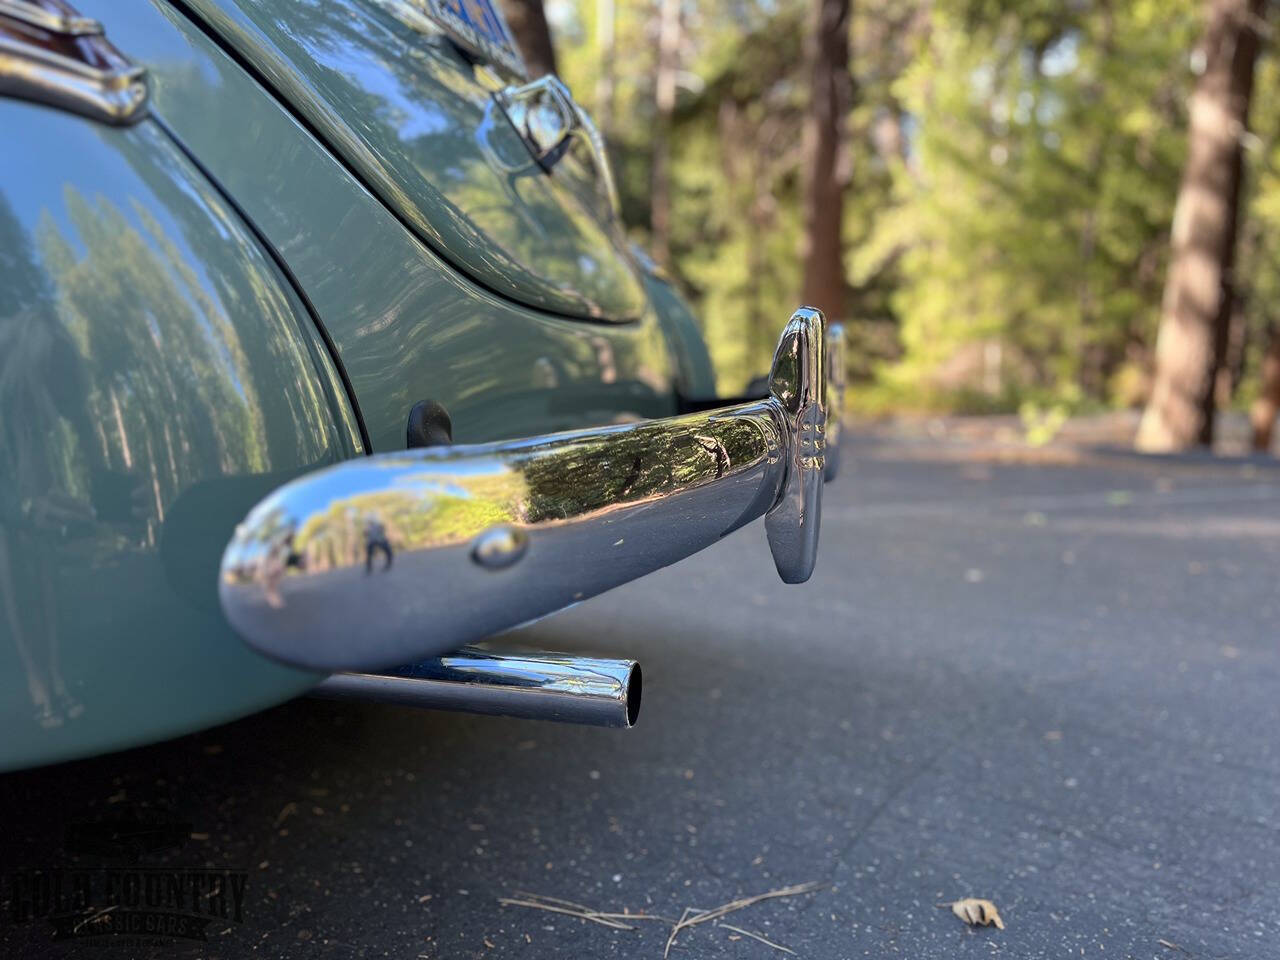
(976, 912)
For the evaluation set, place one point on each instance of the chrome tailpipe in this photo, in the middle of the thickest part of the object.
(534, 685)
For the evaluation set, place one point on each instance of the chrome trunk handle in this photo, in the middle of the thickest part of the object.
(547, 118)
(400, 556)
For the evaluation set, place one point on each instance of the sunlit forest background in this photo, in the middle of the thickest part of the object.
(1008, 173)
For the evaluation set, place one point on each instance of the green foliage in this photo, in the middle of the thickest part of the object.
(1038, 212)
(1259, 251)
(735, 158)
(1014, 169)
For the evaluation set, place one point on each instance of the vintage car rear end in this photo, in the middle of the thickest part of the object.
(241, 241)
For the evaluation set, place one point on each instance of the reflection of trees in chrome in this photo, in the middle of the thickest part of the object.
(336, 537)
(635, 463)
(432, 506)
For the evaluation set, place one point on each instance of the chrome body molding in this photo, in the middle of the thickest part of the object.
(507, 683)
(50, 55)
(394, 557)
(54, 18)
(547, 117)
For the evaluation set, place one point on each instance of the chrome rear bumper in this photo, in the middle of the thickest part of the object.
(401, 556)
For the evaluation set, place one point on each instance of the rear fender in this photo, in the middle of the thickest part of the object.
(157, 375)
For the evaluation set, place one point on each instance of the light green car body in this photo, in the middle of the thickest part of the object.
(319, 222)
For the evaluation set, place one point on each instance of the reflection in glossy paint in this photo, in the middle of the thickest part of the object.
(406, 325)
(44, 420)
(407, 112)
(151, 369)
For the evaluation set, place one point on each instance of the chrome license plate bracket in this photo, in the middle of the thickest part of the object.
(479, 28)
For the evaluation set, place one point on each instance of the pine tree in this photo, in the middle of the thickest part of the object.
(1198, 295)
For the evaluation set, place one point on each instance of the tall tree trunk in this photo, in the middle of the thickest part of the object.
(1196, 311)
(1227, 378)
(664, 99)
(1267, 406)
(606, 43)
(528, 23)
(825, 158)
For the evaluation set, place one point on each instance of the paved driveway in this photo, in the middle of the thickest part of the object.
(1054, 686)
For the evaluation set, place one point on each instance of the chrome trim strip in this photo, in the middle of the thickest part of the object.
(398, 556)
(30, 72)
(515, 683)
(67, 24)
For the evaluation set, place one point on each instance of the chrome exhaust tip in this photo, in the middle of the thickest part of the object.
(534, 685)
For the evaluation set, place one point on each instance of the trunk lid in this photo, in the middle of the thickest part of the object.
(415, 119)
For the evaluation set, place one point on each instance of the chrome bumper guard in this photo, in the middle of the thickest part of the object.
(399, 556)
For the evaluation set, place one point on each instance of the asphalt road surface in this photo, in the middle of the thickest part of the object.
(1057, 687)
